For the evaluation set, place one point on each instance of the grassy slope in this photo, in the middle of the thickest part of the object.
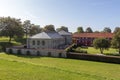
(44, 68)
(92, 50)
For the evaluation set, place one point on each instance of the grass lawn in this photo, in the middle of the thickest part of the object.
(13, 67)
(6, 39)
(92, 50)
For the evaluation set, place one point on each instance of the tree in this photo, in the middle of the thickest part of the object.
(101, 44)
(88, 30)
(35, 29)
(27, 26)
(107, 29)
(62, 28)
(11, 27)
(49, 28)
(80, 30)
(116, 41)
(96, 32)
(116, 29)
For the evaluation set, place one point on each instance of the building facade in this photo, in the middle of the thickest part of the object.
(44, 44)
(86, 39)
(67, 36)
(46, 40)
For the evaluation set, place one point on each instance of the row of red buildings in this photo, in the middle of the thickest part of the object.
(86, 39)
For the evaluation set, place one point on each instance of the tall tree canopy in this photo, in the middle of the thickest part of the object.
(88, 30)
(11, 27)
(116, 29)
(101, 44)
(116, 41)
(35, 29)
(27, 26)
(80, 30)
(62, 28)
(107, 29)
(49, 28)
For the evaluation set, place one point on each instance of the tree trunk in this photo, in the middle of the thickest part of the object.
(26, 35)
(101, 50)
(119, 50)
(10, 38)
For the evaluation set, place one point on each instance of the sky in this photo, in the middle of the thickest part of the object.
(96, 14)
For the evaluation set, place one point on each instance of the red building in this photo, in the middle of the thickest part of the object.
(86, 39)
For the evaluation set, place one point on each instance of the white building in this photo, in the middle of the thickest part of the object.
(45, 44)
(47, 40)
(67, 36)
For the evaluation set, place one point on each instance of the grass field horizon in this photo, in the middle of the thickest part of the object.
(14, 67)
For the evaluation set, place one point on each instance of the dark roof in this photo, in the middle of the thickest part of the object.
(62, 32)
(94, 35)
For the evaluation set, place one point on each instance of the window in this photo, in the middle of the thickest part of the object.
(60, 54)
(38, 42)
(38, 53)
(28, 53)
(33, 42)
(43, 43)
(49, 54)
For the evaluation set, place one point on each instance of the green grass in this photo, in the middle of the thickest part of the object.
(6, 39)
(13, 67)
(92, 50)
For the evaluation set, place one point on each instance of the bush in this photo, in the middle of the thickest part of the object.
(70, 48)
(4, 45)
(21, 40)
(109, 59)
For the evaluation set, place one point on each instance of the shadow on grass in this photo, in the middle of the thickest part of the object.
(24, 56)
(32, 56)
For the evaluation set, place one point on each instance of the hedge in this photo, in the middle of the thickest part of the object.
(100, 58)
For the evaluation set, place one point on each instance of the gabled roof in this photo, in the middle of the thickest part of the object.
(94, 35)
(47, 35)
(62, 32)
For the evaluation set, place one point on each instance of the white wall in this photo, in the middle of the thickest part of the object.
(43, 52)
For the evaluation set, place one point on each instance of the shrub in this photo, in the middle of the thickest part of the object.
(4, 45)
(70, 48)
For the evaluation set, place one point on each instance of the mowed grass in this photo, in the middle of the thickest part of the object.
(6, 39)
(92, 50)
(13, 67)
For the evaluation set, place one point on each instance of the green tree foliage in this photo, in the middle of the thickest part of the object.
(35, 29)
(88, 30)
(11, 27)
(27, 26)
(80, 30)
(107, 29)
(62, 28)
(116, 29)
(96, 32)
(101, 44)
(49, 28)
(116, 41)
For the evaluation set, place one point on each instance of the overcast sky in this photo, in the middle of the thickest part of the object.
(96, 14)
